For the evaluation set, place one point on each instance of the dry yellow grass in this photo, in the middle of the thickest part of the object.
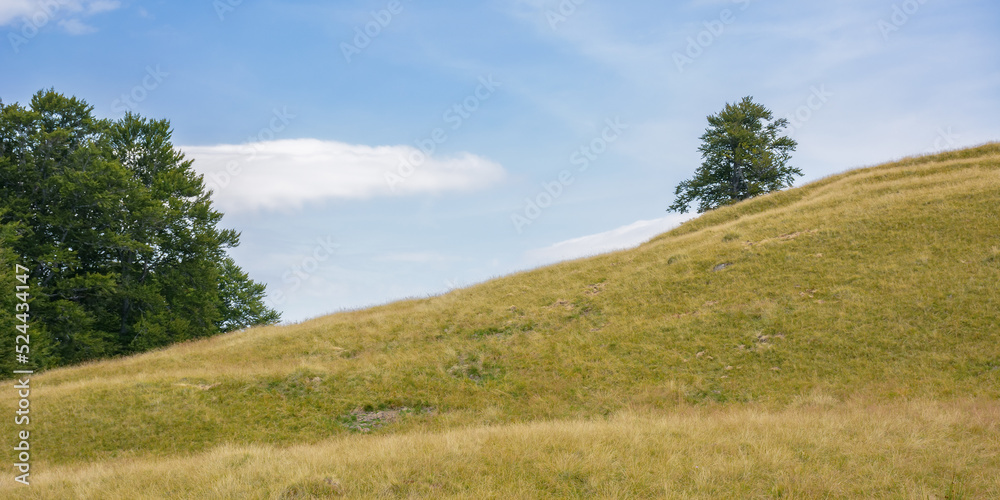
(813, 450)
(876, 288)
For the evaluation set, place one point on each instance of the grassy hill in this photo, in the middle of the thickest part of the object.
(837, 339)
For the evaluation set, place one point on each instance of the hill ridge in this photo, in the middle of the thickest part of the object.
(873, 288)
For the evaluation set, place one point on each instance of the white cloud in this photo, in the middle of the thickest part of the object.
(76, 27)
(41, 12)
(10, 10)
(102, 6)
(286, 174)
(628, 236)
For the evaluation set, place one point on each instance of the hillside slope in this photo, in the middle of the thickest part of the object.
(870, 294)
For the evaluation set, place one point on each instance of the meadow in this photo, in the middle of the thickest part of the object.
(839, 339)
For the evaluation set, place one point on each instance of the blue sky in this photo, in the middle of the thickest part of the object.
(375, 150)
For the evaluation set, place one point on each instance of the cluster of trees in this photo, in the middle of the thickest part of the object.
(119, 233)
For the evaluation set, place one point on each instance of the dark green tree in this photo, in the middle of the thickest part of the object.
(743, 155)
(242, 300)
(7, 301)
(63, 191)
(119, 233)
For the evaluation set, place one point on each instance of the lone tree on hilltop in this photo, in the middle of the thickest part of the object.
(743, 156)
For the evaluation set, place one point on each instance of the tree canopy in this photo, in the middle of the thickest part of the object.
(119, 233)
(743, 156)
